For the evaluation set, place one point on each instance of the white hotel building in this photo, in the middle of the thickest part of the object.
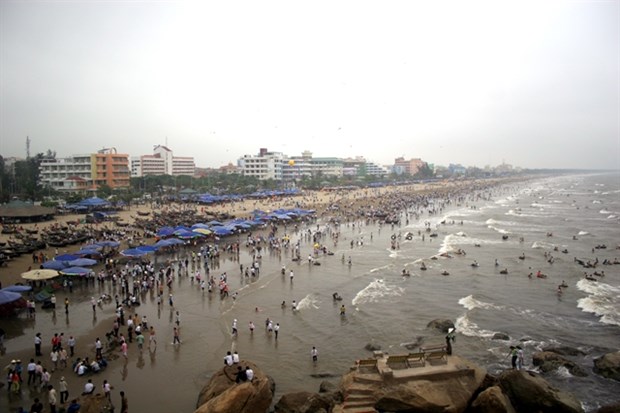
(162, 162)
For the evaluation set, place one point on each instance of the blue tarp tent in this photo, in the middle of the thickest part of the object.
(93, 202)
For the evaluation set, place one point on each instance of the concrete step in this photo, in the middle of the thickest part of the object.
(359, 390)
(368, 378)
(358, 409)
(353, 398)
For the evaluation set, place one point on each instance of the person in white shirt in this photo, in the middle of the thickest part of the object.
(89, 387)
(249, 373)
(235, 357)
(228, 359)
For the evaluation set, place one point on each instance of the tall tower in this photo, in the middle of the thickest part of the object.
(27, 147)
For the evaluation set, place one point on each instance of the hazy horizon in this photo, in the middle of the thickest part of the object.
(535, 84)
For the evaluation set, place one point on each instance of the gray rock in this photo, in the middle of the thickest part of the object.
(500, 336)
(302, 402)
(565, 351)
(327, 387)
(492, 400)
(608, 365)
(548, 361)
(529, 392)
(441, 324)
(372, 347)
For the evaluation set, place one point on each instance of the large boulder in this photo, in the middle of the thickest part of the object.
(565, 351)
(492, 400)
(608, 365)
(222, 394)
(500, 336)
(441, 324)
(303, 402)
(529, 392)
(548, 361)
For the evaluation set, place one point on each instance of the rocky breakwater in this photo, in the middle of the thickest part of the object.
(224, 393)
(456, 386)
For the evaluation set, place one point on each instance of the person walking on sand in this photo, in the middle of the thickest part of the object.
(152, 337)
(63, 387)
(124, 349)
(51, 398)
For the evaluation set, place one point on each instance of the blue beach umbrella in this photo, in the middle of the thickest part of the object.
(87, 252)
(111, 244)
(147, 248)
(66, 257)
(76, 271)
(54, 265)
(82, 262)
(17, 288)
(133, 252)
(8, 296)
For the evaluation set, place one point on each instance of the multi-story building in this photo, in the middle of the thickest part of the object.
(86, 172)
(265, 165)
(162, 162)
(411, 166)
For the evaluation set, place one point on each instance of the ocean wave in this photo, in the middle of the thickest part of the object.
(604, 211)
(468, 328)
(583, 233)
(470, 303)
(612, 217)
(500, 230)
(377, 291)
(543, 245)
(384, 267)
(596, 201)
(603, 300)
(451, 243)
(308, 302)
(492, 221)
(520, 214)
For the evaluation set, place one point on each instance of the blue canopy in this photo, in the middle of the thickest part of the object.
(134, 252)
(87, 252)
(66, 257)
(175, 241)
(111, 244)
(76, 271)
(165, 232)
(147, 248)
(93, 202)
(222, 231)
(200, 225)
(214, 223)
(54, 265)
(8, 296)
(163, 243)
(183, 233)
(82, 262)
(17, 288)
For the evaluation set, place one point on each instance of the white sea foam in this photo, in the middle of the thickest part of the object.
(468, 328)
(377, 291)
(500, 230)
(603, 300)
(612, 217)
(596, 201)
(604, 211)
(470, 303)
(520, 214)
(382, 268)
(308, 302)
(583, 233)
(543, 245)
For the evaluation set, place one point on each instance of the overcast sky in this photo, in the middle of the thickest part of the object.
(534, 84)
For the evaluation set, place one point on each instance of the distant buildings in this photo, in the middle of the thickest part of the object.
(86, 172)
(162, 162)
(410, 167)
(278, 166)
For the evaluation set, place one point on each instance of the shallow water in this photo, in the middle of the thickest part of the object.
(388, 309)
